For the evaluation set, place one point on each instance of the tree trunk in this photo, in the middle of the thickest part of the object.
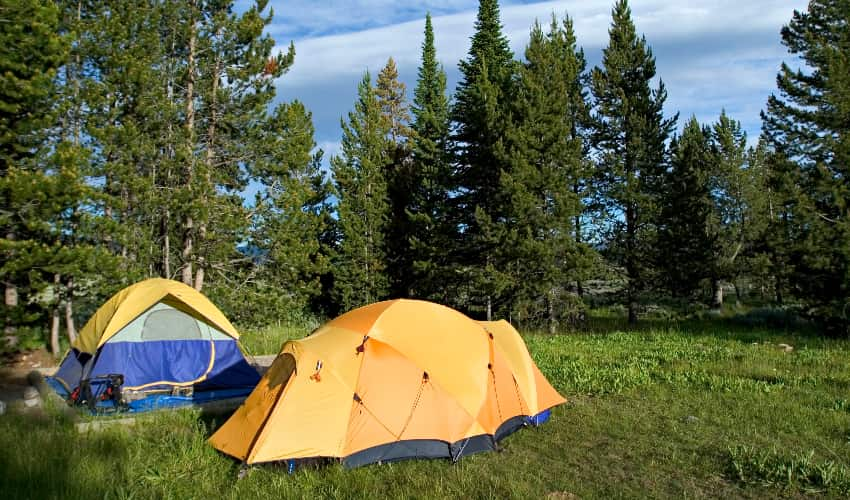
(54, 324)
(187, 252)
(11, 301)
(553, 319)
(738, 295)
(631, 262)
(166, 244)
(489, 308)
(578, 234)
(199, 277)
(54, 331)
(717, 294)
(69, 311)
(208, 167)
(189, 224)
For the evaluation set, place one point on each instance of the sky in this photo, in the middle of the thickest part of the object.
(710, 54)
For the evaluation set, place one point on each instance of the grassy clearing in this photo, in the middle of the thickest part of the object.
(269, 340)
(696, 409)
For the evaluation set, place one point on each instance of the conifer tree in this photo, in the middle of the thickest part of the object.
(481, 120)
(429, 230)
(31, 51)
(292, 214)
(806, 124)
(545, 155)
(738, 189)
(229, 85)
(395, 112)
(359, 175)
(687, 237)
(629, 137)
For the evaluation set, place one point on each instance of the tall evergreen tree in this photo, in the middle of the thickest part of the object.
(806, 123)
(290, 218)
(359, 174)
(545, 154)
(738, 189)
(31, 51)
(481, 120)
(395, 112)
(687, 236)
(229, 85)
(630, 140)
(429, 231)
(784, 198)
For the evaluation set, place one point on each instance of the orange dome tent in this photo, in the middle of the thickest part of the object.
(393, 380)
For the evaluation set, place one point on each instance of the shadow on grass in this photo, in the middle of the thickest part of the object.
(44, 457)
(212, 420)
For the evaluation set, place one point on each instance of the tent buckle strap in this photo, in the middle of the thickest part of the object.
(317, 376)
(362, 347)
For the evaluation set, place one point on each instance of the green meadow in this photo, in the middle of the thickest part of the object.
(701, 408)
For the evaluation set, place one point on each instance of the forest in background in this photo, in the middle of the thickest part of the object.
(130, 130)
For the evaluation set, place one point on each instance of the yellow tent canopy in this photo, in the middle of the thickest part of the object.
(392, 380)
(129, 303)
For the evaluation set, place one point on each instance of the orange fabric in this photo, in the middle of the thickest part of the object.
(391, 371)
(237, 440)
(380, 417)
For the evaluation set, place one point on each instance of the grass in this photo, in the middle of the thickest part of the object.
(704, 408)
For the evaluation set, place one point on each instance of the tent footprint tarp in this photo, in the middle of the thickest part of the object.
(389, 381)
(168, 342)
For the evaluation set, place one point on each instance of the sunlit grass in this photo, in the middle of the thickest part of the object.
(700, 408)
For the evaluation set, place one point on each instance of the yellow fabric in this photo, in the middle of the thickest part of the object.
(395, 370)
(126, 305)
(512, 346)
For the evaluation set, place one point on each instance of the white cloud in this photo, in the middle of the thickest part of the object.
(312, 18)
(711, 54)
(330, 148)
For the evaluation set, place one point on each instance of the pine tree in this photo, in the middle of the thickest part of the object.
(229, 85)
(117, 76)
(291, 215)
(630, 140)
(738, 189)
(687, 236)
(31, 51)
(481, 120)
(546, 156)
(429, 230)
(359, 175)
(395, 112)
(784, 199)
(807, 124)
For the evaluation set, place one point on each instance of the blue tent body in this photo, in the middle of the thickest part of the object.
(169, 355)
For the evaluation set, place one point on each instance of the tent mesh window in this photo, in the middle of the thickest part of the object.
(170, 324)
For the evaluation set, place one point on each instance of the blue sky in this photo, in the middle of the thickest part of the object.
(711, 54)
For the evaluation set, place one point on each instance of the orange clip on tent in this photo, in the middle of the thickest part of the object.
(393, 380)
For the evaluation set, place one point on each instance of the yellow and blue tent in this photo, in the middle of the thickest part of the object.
(167, 342)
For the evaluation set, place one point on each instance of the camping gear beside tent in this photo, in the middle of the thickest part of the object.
(389, 381)
(156, 344)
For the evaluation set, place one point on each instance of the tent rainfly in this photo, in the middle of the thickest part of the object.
(389, 381)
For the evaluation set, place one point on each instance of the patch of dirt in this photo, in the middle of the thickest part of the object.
(14, 369)
(561, 495)
(38, 358)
